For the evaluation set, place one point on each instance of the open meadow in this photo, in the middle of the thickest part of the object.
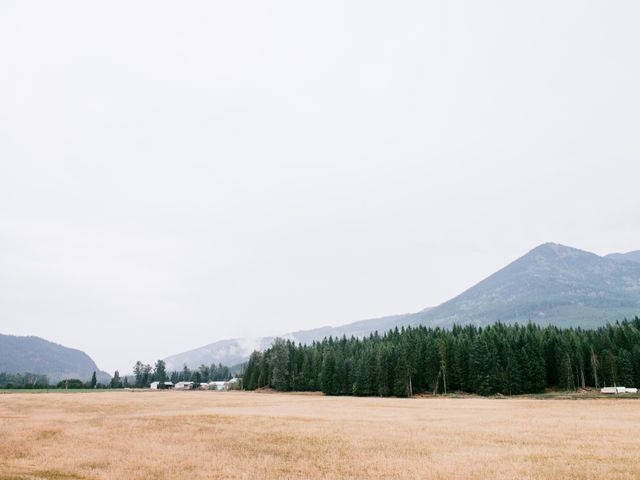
(202, 435)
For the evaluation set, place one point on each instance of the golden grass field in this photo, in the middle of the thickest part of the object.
(203, 435)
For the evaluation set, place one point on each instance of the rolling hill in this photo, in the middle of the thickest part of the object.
(37, 355)
(551, 284)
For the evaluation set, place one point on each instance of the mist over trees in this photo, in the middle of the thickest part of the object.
(498, 359)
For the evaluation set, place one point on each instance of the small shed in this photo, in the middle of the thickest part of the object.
(157, 386)
(184, 386)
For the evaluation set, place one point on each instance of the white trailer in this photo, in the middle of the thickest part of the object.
(618, 390)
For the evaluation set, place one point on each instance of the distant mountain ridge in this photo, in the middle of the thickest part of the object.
(551, 284)
(235, 351)
(629, 256)
(37, 355)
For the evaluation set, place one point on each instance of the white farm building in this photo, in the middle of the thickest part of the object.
(184, 386)
(156, 385)
(617, 390)
(232, 384)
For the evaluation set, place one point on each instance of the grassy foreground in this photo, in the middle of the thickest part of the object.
(175, 435)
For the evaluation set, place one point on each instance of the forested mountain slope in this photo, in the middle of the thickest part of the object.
(629, 256)
(550, 285)
(37, 355)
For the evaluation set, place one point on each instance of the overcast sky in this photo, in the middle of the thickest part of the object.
(175, 173)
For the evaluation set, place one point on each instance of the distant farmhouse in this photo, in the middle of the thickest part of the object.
(617, 390)
(184, 386)
(156, 385)
(232, 384)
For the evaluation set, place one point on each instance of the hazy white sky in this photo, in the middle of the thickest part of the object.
(174, 173)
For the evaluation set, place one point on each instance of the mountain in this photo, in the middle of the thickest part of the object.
(551, 285)
(629, 256)
(37, 355)
(237, 350)
(228, 352)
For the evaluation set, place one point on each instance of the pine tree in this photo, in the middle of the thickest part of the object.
(160, 372)
(625, 368)
(328, 373)
(252, 371)
(137, 372)
(145, 376)
(115, 381)
(204, 373)
(305, 373)
(635, 358)
(566, 373)
(486, 366)
(186, 374)
(280, 368)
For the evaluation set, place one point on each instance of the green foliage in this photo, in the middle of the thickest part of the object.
(144, 375)
(137, 373)
(70, 383)
(116, 381)
(160, 372)
(23, 380)
(498, 359)
(280, 366)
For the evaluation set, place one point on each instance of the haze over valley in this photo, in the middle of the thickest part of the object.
(312, 240)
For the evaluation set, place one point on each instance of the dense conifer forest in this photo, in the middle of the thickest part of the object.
(498, 359)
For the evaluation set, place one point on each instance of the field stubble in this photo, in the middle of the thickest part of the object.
(198, 435)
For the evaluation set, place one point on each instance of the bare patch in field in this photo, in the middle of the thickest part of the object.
(202, 435)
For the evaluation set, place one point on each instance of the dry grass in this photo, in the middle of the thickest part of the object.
(202, 435)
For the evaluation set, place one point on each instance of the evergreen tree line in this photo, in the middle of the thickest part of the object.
(498, 359)
(23, 380)
(116, 382)
(35, 381)
(144, 375)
